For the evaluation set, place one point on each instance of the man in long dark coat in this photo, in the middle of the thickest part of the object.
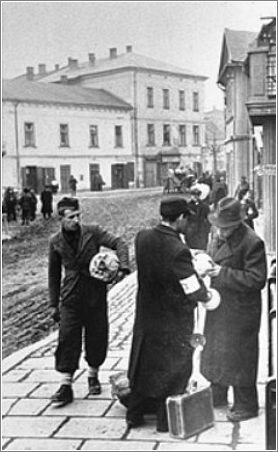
(230, 356)
(198, 227)
(168, 289)
(47, 202)
(81, 301)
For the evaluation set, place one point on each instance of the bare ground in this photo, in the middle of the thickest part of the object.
(25, 313)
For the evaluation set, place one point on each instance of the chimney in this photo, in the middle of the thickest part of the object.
(30, 73)
(72, 63)
(92, 59)
(64, 79)
(42, 69)
(128, 49)
(57, 67)
(113, 52)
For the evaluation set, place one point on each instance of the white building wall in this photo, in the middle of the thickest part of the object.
(79, 155)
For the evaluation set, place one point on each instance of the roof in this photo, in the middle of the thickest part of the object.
(29, 91)
(238, 43)
(122, 61)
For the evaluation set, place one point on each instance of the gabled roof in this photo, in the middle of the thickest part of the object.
(123, 61)
(27, 91)
(234, 48)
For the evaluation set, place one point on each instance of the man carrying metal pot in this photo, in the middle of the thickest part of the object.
(79, 303)
(230, 356)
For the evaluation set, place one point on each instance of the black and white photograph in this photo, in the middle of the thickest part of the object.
(138, 190)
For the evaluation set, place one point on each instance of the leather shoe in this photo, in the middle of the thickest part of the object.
(241, 415)
(63, 396)
(135, 421)
(94, 386)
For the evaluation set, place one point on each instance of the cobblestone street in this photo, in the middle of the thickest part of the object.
(98, 422)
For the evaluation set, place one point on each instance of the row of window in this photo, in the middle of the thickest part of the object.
(166, 99)
(29, 129)
(167, 139)
(29, 135)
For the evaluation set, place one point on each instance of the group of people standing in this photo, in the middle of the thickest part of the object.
(169, 289)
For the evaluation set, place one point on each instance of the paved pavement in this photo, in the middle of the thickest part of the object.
(98, 422)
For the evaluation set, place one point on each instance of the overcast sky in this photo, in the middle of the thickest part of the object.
(186, 34)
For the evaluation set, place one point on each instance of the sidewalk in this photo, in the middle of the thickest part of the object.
(98, 422)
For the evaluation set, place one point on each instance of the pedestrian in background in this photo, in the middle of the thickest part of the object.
(197, 227)
(33, 205)
(230, 355)
(47, 202)
(249, 207)
(25, 203)
(72, 185)
(80, 304)
(10, 204)
(160, 362)
(219, 191)
(243, 186)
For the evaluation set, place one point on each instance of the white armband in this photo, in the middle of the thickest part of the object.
(190, 284)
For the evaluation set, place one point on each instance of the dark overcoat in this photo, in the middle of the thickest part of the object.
(47, 200)
(197, 226)
(77, 283)
(230, 356)
(161, 355)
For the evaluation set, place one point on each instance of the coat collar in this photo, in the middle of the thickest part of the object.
(167, 230)
(225, 249)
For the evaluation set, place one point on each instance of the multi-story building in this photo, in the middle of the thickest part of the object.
(52, 131)
(168, 107)
(261, 107)
(233, 79)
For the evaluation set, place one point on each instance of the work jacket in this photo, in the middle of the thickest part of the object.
(77, 285)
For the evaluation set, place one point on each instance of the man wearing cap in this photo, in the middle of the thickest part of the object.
(80, 302)
(230, 356)
(198, 227)
(160, 361)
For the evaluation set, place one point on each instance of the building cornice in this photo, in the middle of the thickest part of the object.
(67, 104)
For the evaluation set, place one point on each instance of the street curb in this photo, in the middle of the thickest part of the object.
(16, 358)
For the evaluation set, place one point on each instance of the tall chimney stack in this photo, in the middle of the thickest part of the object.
(30, 73)
(42, 69)
(57, 67)
(113, 52)
(72, 63)
(128, 49)
(92, 59)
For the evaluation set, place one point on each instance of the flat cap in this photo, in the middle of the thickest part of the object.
(173, 205)
(67, 203)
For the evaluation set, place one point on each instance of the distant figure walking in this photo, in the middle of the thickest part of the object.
(25, 202)
(249, 208)
(72, 185)
(9, 204)
(33, 205)
(242, 186)
(198, 226)
(219, 191)
(47, 202)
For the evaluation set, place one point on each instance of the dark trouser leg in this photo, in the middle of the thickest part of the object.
(70, 340)
(96, 334)
(219, 394)
(161, 417)
(245, 398)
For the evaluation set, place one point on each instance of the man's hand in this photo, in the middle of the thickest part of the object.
(55, 314)
(214, 271)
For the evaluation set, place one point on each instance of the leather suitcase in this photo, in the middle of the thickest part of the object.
(190, 414)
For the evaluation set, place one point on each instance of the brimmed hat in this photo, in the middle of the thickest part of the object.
(228, 213)
(173, 205)
(67, 204)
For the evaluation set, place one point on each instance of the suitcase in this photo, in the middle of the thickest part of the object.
(191, 413)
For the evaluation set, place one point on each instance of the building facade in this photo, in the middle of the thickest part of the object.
(168, 108)
(50, 132)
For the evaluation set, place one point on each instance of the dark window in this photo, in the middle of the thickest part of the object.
(166, 135)
(29, 131)
(151, 134)
(182, 135)
(94, 136)
(118, 137)
(271, 75)
(64, 135)
(150, 97)
(181, 100)
(195, 101)
(196, 136)
(166, 101)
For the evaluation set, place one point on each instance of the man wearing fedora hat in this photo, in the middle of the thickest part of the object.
(230, 356)
(160, 361)
(79, 303)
